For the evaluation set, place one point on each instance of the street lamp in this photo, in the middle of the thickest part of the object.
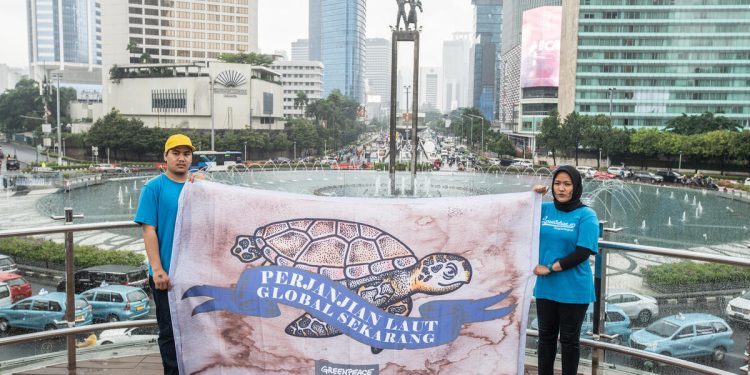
(407, 88)
(471, 131)
(295, 150)
(59, 131)
(213, 130)
(679, 165)
(245, 154)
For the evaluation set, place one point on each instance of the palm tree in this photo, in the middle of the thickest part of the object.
(301, 102)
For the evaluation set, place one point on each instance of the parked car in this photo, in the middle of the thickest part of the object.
(19, 287)
(738, 309)
(747, 181)
(43, 312)
(647, 176)
(637, 306)
(328, 161)
(586, 172)
(281, 159)
(106, 168)
(5, 298)
(620, 172)
(113, 303)
(112, 274)
(12, 165)
(522, 163)
(686, 336)
(604, 175)
(7, 264)
(668, 175)
(616, 322)
(128, 335)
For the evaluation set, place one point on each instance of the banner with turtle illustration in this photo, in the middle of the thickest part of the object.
(270, 282)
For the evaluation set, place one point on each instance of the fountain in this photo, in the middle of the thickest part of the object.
(671, 195)
(669, 222)
(686, 198)
(684, 216)
(643, 225)
(119, 197)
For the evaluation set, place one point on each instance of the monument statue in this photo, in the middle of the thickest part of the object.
(401, 15)
(413, 12)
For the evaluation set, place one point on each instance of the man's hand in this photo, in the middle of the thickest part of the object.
(197, 176)
(541, 189)
(161, 280)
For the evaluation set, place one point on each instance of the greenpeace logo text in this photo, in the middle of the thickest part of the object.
(328, 368)
(558, 225)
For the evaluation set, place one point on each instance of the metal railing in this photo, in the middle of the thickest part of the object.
(597, 344)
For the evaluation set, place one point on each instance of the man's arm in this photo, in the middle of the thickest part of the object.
(161, 279)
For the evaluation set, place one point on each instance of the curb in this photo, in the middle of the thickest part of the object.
(41, 273)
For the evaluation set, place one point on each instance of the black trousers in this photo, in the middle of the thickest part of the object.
(166, 336)
(564, 319)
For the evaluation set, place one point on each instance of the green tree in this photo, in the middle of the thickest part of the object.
(550, 136)
(740, 146)
(645, 142)
(23, 100)
(699, 124)
(301, 101)
(573, 130)
(250, 58)
(125, 138)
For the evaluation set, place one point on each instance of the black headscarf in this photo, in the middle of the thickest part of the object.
(575, 199)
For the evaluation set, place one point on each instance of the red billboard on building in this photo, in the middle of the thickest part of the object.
(540, 47)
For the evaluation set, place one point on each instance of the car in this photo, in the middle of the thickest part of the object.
(522, 163)
(111, 274)
(106, 168)
(669, 175)
(616, 323)
(5, 298)
(620, 172)
(647, 176)
(586, 172)
(43, 312)
(281, 159)
(7, 264)
(637, 306)
(747, 181)
(683, 336)
(604, 175)
(738, 309)
(113, 303)
(19, 287)
(128, 335)
(328, 161)
(12, 165)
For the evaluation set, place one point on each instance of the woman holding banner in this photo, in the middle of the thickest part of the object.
(564, 287)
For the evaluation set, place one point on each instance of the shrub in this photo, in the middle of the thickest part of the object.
(49, 254)
(691, 276)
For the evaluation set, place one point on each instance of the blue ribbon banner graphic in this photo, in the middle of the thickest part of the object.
(261, 289)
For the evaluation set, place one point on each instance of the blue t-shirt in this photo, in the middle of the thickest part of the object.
(560, 233)
(158, 208)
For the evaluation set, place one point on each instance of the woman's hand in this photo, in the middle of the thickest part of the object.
(541, 270)
(541, 189)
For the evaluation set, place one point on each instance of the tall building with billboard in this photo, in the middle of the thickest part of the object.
(488, 27)
(64, 35)
(510, 94)
(342, 45)
(653, 61)
(457, 70)
(540, 66)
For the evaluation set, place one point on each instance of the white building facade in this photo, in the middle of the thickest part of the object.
(429, 88)
(299, 77)
(186, 96)
(457, 70)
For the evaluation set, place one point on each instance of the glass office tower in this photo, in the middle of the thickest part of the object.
(488, 26)
(342, 46)
(653, 60)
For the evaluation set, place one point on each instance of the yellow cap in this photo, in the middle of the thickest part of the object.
(178, 140)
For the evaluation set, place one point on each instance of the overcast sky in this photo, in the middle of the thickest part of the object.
(281, 22)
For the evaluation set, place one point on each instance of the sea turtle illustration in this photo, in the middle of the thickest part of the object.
(377, 266)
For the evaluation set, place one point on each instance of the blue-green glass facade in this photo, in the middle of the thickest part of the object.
(488, 24)
(342, 44)
(663, 58)
(81, 27)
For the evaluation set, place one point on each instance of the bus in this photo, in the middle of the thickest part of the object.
(215, 161)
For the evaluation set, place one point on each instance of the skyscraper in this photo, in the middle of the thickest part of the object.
(342, 44)
(429, 88)
(658, 62)
(301, 50)
(488, 26)
(457, 61)
(63, 35)
(177, 31)
(511, 57)
(314, 29)
(378, 69)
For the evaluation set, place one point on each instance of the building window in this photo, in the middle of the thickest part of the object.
(267, 120)
(169, 100)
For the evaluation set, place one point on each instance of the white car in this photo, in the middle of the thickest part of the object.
(747, 181)
(637, 306)
(5, 298)
(738, 309)
(523, 163)
(586, 172)
(619, 172)
(128, 335)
